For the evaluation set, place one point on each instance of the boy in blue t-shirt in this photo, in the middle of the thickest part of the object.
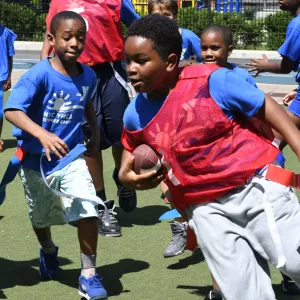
(290, 52)
(190, 41)
(7, 51)
(47, 106)
(217, 46)
(256, 221)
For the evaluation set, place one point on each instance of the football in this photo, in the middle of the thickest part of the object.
(145, 160)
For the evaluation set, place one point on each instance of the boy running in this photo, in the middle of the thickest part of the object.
(211, 130)
(7, 51)
(47, 106)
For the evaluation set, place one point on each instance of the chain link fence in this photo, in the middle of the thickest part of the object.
(256, 24)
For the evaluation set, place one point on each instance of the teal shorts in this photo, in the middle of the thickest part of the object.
(46, 208)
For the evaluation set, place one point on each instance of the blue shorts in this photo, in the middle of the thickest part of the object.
(294, 108)
(110, 102)
(1, 99)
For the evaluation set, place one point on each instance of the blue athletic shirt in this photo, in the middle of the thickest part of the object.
(291, 46)
(55, 102)
(7, 38)
(231, 92)
(128, 14)
(190, 45)
(244, 74)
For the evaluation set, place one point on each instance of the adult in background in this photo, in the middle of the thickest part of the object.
(104, 50)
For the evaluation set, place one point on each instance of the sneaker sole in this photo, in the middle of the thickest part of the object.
(288, 292)
(175, 254)
(110, 234)
(85, 296)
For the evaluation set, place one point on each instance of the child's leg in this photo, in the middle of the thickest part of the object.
(220, 227)
(75, 179)
(44, 210)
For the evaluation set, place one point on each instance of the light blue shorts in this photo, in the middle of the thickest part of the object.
(46, 208)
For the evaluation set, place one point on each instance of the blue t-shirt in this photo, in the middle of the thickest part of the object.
(128, 14)
(232, 94)
(7, 38)
(244, 74)
(55, 102)
(291, 46)
(190, 45)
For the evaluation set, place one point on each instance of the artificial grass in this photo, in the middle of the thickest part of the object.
(132, 266)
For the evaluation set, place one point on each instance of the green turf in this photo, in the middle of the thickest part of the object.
(133, 266)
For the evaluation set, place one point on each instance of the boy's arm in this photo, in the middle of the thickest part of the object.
(7, 83)
(275, 115)
(284, 66)
(128, 14)
(90, 115)
(49, 141)
(130, 179)
(46, 50)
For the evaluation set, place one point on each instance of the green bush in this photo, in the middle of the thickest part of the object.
(276, 27)
(24, 21)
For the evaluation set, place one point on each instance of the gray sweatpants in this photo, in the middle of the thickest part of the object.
(243, 231)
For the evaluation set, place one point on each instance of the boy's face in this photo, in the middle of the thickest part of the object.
(147, 71)
(289, 5)
(69, 39)
(213, 49)
(161, 10)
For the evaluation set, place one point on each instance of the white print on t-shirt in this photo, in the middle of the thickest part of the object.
(59, 110)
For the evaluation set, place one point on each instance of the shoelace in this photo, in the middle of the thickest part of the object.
(125, 192)
(112, 214)
(95, 281)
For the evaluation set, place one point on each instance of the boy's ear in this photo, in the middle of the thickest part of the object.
(172, 62)
(50, 38)
(230, 49)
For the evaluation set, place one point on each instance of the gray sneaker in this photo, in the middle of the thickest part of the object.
(178, 242)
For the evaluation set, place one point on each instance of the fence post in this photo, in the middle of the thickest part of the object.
(208, 12)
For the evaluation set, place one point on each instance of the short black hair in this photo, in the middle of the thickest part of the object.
(224, 31)
(162, 31)
(170, 5)
(63, 16)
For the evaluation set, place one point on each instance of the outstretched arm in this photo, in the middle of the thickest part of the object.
(275, 115)
(284, 66)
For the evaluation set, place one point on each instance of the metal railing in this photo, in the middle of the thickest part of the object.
(256, 24)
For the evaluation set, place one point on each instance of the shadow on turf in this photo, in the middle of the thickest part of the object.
(204, 290)
(8, 144)
(23, 273)
(111, 273)
(193, 259)
(143, 216)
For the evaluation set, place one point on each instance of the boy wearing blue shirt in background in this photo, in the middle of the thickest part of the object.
(190, 41)
(47, 106)
(7, 51)
(217, 46)
(290, 52)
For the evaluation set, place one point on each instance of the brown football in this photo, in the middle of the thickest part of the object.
(145, 160)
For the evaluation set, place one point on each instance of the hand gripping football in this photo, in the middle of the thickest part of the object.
(145, 160)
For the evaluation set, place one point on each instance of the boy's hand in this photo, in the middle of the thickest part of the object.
(7, 84)
(52, 143)
(144, 181)
(93, 145)
(288, 98)
(258, 65)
